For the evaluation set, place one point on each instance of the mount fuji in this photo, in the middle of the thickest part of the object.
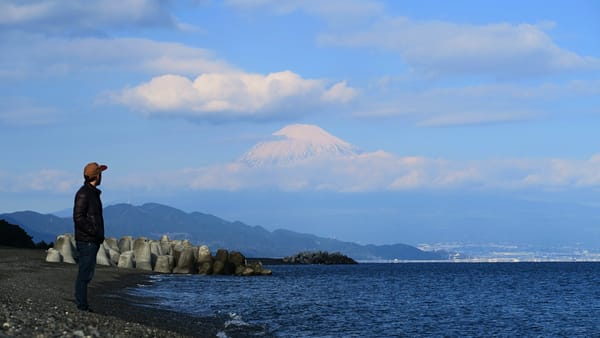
(296, 144)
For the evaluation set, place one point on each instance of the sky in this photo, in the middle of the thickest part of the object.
(476, 122)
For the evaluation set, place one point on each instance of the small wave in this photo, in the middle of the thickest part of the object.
(157, 278)
(235, 320)
(236, 327)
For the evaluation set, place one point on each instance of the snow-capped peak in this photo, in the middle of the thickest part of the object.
(298, 143)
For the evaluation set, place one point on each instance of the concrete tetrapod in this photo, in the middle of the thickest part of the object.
(204, 262)
(125, 244)
(126, 260)
(186, 262)
(53, 256)
(142, 254)
(164, 264)
(102, 257)
(64, 245)
(150, 256)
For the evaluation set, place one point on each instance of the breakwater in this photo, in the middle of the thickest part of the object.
(162, 256)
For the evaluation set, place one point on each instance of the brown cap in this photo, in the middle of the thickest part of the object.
(93, 169)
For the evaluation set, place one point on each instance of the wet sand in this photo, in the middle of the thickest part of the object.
(37, 300)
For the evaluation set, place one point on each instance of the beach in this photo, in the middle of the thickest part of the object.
(37, 300)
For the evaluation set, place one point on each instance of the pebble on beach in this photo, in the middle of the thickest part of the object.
(37, 300)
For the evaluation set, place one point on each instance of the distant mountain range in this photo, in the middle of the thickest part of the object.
(154, 220)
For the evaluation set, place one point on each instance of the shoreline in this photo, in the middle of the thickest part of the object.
(37, 300)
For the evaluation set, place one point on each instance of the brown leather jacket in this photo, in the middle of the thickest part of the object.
(87, 215)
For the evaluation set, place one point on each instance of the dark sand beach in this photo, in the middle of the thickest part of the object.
(37, 300)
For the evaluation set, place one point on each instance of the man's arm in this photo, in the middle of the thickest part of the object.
(80, 211)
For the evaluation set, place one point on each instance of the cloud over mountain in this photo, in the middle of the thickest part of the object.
(222, 95)
(306, 157)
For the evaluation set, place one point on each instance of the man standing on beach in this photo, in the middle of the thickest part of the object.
(89, 229)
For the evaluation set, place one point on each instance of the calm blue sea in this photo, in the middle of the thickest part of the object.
(392, 300)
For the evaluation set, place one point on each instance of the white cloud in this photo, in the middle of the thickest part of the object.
(371, 172)
(26, 55)
(55, 38)
(438, 48)
(563, 172)
(367, 172)
(477, 118)
(380, 171)
(232, 94)
(19, 111)
(479, 104)
(13, 13)
(74, 18)
(340, 92)
(307, 158)
(43, 180)
(333, 10)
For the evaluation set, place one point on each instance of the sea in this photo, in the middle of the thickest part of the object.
(526, 299)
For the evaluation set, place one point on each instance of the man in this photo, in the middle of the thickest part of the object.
(89, 229)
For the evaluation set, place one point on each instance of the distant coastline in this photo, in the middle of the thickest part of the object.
(154, 220)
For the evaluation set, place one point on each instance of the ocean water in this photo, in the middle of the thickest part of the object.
(395, 300)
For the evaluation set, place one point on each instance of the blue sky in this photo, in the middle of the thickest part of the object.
(450, 101)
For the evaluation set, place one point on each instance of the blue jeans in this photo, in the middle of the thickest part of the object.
(87, 265)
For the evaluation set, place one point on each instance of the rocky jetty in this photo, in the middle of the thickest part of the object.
(163, 256)
(318, 257)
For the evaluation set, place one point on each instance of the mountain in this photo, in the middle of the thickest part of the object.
(40, 227)
(153, 220)
(298, 143)
(13, 235)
